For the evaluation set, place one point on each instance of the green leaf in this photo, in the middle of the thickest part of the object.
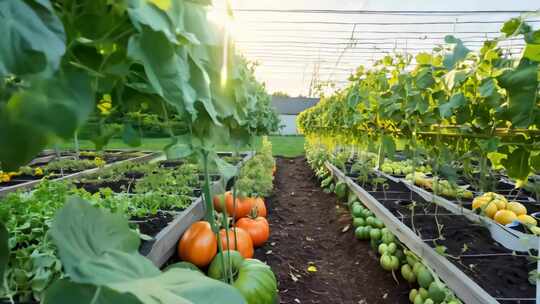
(64, 291)
(459, 52)
(487, 88)
(489, 145)
(33, 38)
(456, 101)
(515, 26)
(424, 78)
(522, 85)
(47, 108)
(58, 105)
(535, 162)
(180, 147)
(167, 70)
(4, 249)
(98, 249)
(517, 164)
(131, 136)
(84, 234)
(455, 78)
(532, 52)
(388, 145)
(424, 58)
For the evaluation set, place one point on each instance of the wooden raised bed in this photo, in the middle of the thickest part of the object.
(510, 238)
(164, 245)
(463, 285)
(31, 184)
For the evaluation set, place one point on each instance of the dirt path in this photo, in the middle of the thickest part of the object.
(306, 230)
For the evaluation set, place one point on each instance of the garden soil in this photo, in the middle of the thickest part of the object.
(312, 248)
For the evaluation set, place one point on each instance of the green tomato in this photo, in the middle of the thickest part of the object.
(375, 234)
(357, 211)
(407, 273)
(389, 262)
(388, 237)
(392, 247)
(412, 294)
(382, 248)
(418, 299)
(370, 220)
(358, 221)
(378, 223)
(428, 301)
(254, 279)
(423, 293)
(437, 291)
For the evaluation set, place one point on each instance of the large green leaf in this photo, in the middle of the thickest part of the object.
(49, 107)
(33, 38)
(4, 249)
(84, 233)
(458, 53)
(166, 67)
(64, 291)
(100, 255)
(517, 164)
(456, 101)
(522, 85)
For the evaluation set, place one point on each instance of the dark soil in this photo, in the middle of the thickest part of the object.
(470, 246)
(307, 229)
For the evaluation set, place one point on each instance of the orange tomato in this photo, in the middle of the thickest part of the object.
(257, 228)
(261, 207)
(198, 245)
(243, 240)
(241, 209)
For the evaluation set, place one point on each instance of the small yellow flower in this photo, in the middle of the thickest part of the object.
(38, 171)
(105, 105)
(99, 162)
(4, 177)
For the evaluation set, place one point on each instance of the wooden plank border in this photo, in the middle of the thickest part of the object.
(463, 286)
(31, 184)
(166, 241)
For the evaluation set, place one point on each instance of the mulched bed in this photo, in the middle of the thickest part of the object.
(307, 230)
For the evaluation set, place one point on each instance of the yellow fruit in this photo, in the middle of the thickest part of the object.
(479, 201)
(501, 204)
(504, 217)
(527, 219)
(517, 208)
(490, 209)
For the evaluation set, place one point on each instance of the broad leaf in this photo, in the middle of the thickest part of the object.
(100, 254)
(47, 108)
(33, 38)
(166, 67)
(131, 136)
(458, 53)
(456, 101)
(517, 164)
(522, 85)
(4, 249)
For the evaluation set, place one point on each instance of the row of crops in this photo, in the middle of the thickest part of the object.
(441, 157)
(100, 227)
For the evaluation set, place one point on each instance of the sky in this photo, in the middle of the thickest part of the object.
(297, 50)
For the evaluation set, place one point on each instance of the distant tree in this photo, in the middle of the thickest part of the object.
(280, 94)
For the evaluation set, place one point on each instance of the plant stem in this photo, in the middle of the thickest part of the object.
(210, 213)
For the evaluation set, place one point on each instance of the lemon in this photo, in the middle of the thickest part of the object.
(517, 208)
(491, 209)
(504, 217)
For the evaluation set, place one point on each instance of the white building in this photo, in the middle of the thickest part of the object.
(288, 108)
